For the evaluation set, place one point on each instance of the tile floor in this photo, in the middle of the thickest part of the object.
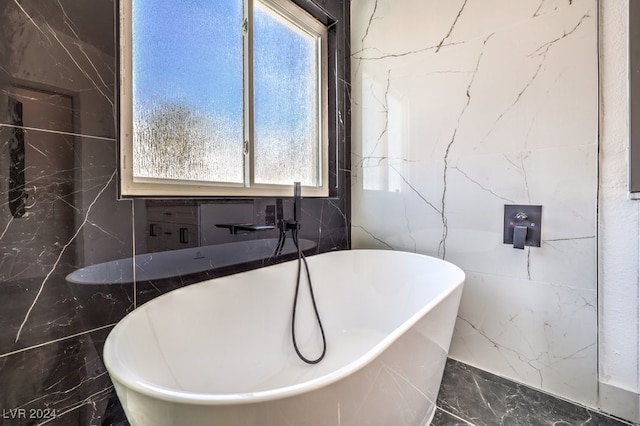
(472, 397)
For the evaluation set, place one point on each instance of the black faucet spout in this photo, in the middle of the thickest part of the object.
(239, 228)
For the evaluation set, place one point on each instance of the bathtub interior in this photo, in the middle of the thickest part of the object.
(229, 338)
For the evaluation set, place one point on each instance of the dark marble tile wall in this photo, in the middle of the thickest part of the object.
(58, 209)
(472, 397)
(60, 216)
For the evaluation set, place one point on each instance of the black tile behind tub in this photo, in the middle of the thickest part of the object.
(66, 378)
(325, 222)
(159, 224)
(482, 398)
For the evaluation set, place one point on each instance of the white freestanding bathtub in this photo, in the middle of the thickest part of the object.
(220, 352)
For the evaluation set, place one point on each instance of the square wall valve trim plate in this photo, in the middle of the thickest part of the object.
(522, 225)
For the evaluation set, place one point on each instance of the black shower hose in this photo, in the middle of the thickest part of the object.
(301, 259)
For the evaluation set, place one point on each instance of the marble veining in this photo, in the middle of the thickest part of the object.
(60, 255)
(469, 396)
(488, 104)
(58, 60)
(62, 382)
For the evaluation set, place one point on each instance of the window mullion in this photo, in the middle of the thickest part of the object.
(248, 93)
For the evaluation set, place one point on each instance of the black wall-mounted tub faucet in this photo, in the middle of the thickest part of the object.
(292, 225)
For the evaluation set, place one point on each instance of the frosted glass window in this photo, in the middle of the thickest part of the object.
(188, 90)
(286, 100)
(222, 98)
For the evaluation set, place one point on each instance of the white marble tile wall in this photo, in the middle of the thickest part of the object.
(461, 107)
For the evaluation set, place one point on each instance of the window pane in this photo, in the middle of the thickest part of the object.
(187, 90)
(286, 145)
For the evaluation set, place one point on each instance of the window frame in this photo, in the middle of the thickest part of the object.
(131, 187)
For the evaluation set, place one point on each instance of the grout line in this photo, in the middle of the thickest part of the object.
(133, 255)
(453, 415)
(598, 208)
(57, 132)
(547, 282)
(55, 341)
(86, 401)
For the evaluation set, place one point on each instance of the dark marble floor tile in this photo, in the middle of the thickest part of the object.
(485, 399)
(442, 418)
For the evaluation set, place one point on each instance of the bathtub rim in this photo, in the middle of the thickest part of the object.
(135, 262)
(125, 377)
